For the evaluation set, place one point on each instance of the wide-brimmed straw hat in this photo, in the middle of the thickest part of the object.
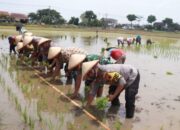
(18, 38)
(53, 52)
(19, 46)
(87, 66)
(30, 47)
(28, 34)
(27, 40)
(75, 60)
(43, 40)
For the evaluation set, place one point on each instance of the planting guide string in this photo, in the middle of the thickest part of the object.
(73, 102)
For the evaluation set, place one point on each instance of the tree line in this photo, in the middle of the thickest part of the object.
(89, 19)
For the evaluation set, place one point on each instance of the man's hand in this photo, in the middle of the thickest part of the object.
(111, 97)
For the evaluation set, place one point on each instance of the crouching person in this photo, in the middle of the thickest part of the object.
(12, 44)
(60, 57)
(24, 50)
(75, 66)
(124, 77)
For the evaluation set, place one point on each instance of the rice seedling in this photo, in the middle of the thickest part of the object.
(83, 100)
(84, 126)
(50, 125)
(69, 91)
(70, 126)
(31, 123)
(16, 101)
(9, 91)
(161, 128)
(61, 118)
(105, 39)
(24, 88)
(155, 57)
(117, 125)
(169, 73)
(101, 103)
(39, 115)
(25, 116)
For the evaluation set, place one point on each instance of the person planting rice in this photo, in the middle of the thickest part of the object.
(43, 47)
(59, 56)
(120, 40)
(138, 39)
(75, 65)
(24, 50)
(130, 40)
(12, 44)
(149, 42)
(33, 41)
(122, 77)
(117, 54)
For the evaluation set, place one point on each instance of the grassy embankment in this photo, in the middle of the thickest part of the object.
(49, 31)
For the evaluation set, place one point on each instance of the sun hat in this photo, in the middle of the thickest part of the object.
(117, 53)
(30, 47)
(75, 60)
(28, 34)
(19, 46)
(53, 52)
(87, 66)
(43, 40)
(18, 38)
(27, 40)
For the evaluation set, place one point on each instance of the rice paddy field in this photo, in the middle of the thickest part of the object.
(30, 101)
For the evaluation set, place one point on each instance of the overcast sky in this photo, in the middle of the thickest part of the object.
(117, 9)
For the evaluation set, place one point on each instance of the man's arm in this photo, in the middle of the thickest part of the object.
(118, 90)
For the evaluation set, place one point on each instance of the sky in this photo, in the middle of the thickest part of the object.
(117, 9)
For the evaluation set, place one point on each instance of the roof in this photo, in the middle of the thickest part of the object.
(19, 16)
(4, 13)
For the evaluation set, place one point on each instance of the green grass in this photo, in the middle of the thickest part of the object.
(49, 31)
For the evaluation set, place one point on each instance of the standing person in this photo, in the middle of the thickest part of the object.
(138, 39)
(19, 27)
(75, 65)
(117, 54)
(124, 77)
(12, 44)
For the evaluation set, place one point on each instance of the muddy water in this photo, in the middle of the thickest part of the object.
(158, 100)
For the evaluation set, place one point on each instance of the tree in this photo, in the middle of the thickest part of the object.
(74, 21)
(131, 18)
(47, 16)
(151, 19)
(32, 17)
(168, 22)
(88, 18)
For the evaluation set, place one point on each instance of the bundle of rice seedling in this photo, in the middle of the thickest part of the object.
(101, 103)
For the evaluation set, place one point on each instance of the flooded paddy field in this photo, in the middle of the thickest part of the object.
(29, 102)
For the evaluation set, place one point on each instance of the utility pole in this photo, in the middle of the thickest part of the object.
(49, 14)
(106, 21)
